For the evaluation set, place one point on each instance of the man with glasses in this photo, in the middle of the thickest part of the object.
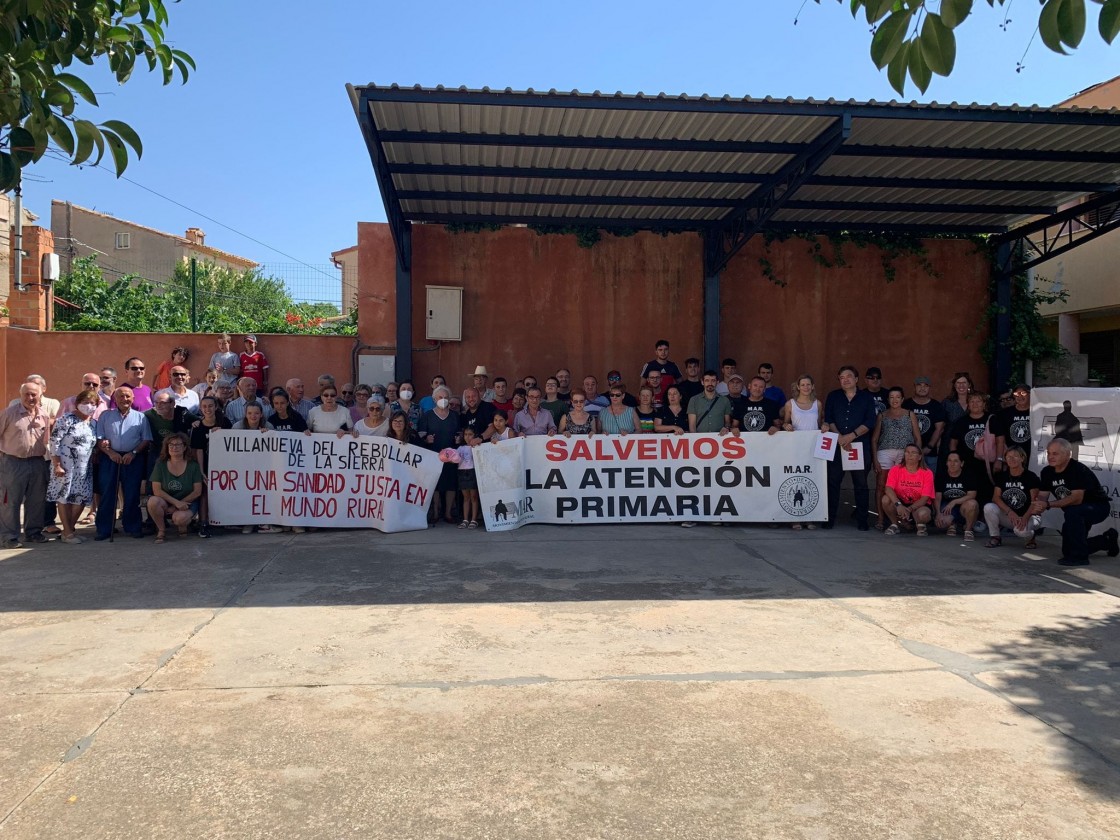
(108, 377)
(874, 378)
(90, 381)
(134, 370)
(183, 396)
(532, 419)
(346, 395)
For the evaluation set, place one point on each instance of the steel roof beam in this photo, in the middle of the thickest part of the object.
(656, 201)
(398, 227)
(872, 227)
(560, 221)
(557, 173)
(728, 105)
(556, 141)
(1059, 233)
(734, 230)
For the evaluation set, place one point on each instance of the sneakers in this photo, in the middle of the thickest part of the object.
(688, 524)
(269, 529)
(298, 529)
(11, 544)
(246, 529)
(204, 532)
(1113, 542)
(1073, 561)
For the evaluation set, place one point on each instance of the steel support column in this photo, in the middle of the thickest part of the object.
(711, 301)
(1001, 328)
(404, 304)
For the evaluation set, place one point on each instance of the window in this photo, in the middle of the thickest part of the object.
(123, 241)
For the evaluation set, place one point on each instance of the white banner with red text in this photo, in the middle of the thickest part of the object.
(1090, 419)
(321, 481)
(651, 478)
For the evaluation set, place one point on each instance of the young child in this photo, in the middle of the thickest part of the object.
(502, 431)
(225, 361)
(208, 385)
(467, 482)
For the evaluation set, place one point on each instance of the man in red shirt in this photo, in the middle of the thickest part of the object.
(254, 364)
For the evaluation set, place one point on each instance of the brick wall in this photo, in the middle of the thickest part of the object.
(31, 308)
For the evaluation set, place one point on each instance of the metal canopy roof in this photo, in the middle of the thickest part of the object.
(732, 166)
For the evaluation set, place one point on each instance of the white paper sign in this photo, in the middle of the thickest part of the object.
(852, 459)
(826, 446)
(651, 478)
(319, 480)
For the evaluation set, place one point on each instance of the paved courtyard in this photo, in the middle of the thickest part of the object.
(597, 682)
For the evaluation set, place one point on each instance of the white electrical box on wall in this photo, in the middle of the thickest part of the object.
(376, 370)
(444, 317)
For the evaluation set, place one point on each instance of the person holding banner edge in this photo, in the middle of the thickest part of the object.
(850, 413)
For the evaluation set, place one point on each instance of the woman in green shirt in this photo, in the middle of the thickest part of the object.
(176, 486)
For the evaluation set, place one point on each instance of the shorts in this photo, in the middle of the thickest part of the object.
(889, 457)
(467, 480)
(958, 517)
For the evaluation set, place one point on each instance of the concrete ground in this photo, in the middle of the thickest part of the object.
(580, 682)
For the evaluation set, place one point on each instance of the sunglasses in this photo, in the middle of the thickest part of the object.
(347, 393)
(616, 396)
(137, 368)
(180, 374)
(329, 396)
(91, 384)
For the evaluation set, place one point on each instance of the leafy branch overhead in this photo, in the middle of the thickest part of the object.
(912, 40)
(40, 41)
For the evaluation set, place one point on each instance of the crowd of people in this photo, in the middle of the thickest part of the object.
(957, 464)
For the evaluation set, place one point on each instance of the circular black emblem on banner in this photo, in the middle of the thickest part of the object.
(798, 496)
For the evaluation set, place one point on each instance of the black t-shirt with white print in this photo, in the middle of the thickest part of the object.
(756, 416)
(929, 415)
(1015, 490)
(1076, 476)
(952, 489)
(1015, 426)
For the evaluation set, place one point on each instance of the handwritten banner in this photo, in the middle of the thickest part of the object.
(648, 478)
(287, 478)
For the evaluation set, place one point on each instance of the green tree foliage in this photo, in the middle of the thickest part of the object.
(39, 41)
(228, 301)
(911, 39)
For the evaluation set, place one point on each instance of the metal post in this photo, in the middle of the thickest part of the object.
(404, 305)
(194, 295)
(711, 301)
(17, 250)
(1001, 364)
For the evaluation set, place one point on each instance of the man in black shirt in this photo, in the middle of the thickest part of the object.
(931, 419)
(1070, 486)
(874, 378)
(477, 415)
(670, 373)
(691, 385)
(755, 413)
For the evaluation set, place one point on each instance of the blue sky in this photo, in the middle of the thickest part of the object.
(263, 139)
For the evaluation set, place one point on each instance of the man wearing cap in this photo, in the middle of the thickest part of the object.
(480, 379)
(931, 419)
(254, 364)
(1012, 425)
(874, 378)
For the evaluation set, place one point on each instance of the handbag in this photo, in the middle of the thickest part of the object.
(986, 447)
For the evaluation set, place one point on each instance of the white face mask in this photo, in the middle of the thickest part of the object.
(87, 408)
(443, 402)
(406, 394)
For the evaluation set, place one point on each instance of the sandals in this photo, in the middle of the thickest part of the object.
(797, 526)
(969, 536)
(994, 542)
(463, 525)
(472, 526)
(923, 531)
(1031, 543)
(892, 531)
(951, 531)
(161, 538)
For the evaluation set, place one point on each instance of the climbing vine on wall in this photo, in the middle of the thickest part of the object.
(892, 247)
(1028, 339)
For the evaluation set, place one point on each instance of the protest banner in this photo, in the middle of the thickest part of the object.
(648, 478)
(1089, 418)
(322, 481)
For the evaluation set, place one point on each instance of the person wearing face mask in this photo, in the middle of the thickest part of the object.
(405, 404)
(73, 439)
(439, 430)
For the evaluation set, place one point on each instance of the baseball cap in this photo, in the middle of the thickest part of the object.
(873, 371)
(735, 376)
(250, 337)
(921, 380)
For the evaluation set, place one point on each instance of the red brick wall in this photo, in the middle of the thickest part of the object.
(62, 357)
(29, 309)
(535, 303)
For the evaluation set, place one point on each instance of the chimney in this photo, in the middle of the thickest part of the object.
(196, 236)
